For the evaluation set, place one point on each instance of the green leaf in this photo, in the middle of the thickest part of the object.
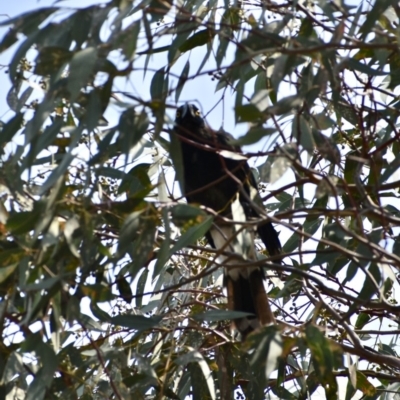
(302, 132)
(124, 288)
(15, 103)
(254, 135)
(326, 147)
(378, 8)
(192, 234)
(345, 110)
(127, 40)
(370, 289)
(205, 58)
(328, 9)
(11, 128)
(390, 170)
(132, 126)
(394, 63)
(21, 53)
(137, 322)
(81, 70)
(129, 231)
(160, 49)
(273, 169)
(351, 63)
(327, 187)
(12, 97)
(225, 34)
(182, 80)
(185, 26)
(334, 232)
(24, 221)
(159, 85)
(326, 356)
(329, 256)
(106, 149)
(6, 271)
(51, 59)
(8, 40)
(198, 39)
(43, 284)
(42, 141)
(248, 113)
(306, 28)
(268, 347)
(261, 82)
(182, 213)
(364, 385)
(142, 248)
(279, 71)
(285, 200)
(135, 181)
(362, 320)
(158, 9)
(140, 287)
(292, 286)
(23, 99)
(223, 45)
(28, 22)
(201, 375)
(111, 172)
(258, 41)
(57, 173)
(310, 226)
(387, 350)
(220, 315)
(99, 313)
(43, 377)
(286, 105)
(282, 393)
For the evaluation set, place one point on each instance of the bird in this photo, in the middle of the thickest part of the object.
(216, 175)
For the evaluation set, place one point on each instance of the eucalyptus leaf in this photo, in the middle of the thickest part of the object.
(192, 234)
(137, 322)
(81, 70)
(220, 315)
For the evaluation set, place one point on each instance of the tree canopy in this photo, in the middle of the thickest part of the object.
(108, 287)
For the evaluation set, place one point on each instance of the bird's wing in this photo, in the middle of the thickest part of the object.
(252, 203)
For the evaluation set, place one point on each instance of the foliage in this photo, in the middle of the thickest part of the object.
(108, 289)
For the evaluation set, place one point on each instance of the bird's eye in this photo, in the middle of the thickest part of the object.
(197, 113)
(178, 114)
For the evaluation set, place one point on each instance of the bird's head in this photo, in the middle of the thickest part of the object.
(188, 116)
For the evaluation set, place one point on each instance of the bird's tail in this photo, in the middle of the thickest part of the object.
(246, 293)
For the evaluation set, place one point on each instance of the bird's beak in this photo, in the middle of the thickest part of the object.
(185, 109)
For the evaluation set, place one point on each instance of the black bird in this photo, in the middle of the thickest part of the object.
(216, 175)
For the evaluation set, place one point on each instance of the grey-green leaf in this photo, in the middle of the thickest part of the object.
(137, 322)
(81, 70)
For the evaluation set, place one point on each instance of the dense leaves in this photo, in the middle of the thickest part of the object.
(108, 287)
